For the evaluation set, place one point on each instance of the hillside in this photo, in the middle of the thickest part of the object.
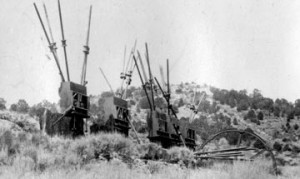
(275, 121)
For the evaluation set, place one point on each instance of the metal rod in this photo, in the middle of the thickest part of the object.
(229, 155)
(225, 150)
(63, 41)
(150, 75)
(106, 80)
(86, 51)
(143, 85)
(224, 158)
(51, 45)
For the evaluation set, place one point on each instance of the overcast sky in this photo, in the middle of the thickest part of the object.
(231, 44)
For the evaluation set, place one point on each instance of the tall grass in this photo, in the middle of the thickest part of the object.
(109, 156)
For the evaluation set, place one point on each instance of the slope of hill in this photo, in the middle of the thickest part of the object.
(219, 109)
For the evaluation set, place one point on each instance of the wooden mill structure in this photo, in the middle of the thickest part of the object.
(73, 96)
(116, 110)
(163, 125)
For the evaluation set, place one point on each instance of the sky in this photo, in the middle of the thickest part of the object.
(231, 44)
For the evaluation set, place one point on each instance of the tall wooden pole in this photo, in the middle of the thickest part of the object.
(63, 41)
(86, 51)
(143, 68)
(168, 86)
(143, 85)
(51, 45)
(150, 76)
(106, 80)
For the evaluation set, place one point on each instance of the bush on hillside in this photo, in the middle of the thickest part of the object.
(22, 106)
(2, 104)
(178, 91)
(13, 107)
(235, 122)
(260, 116)
(251, 114)
(296, 126)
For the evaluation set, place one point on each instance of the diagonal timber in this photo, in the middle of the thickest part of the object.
(63, 41)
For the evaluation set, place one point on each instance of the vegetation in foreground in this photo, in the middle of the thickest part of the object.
(32, 155)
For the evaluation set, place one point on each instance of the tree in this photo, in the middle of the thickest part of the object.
(260, 116)
(251, 114)
(22, 106)
(160, 102)
(38, 109)
(243, 105)
(13, 107)
(256, 98)
(143, 103)
(94, 109)
(180, 103)
(276, 110)
(2, 104)
(297, 107)
(106, 94)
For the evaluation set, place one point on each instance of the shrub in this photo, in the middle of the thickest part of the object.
(296, 126)
(160, 102)
(102, 145)
(154, 167)
(38, 139)
(6, 139)
(178, 91)
(22, 106)
(13, 107)
(180, 155)
(151, 151)
(132, 102)
(235, 121)
(251, 114)
(31, 152)
(180, 103)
